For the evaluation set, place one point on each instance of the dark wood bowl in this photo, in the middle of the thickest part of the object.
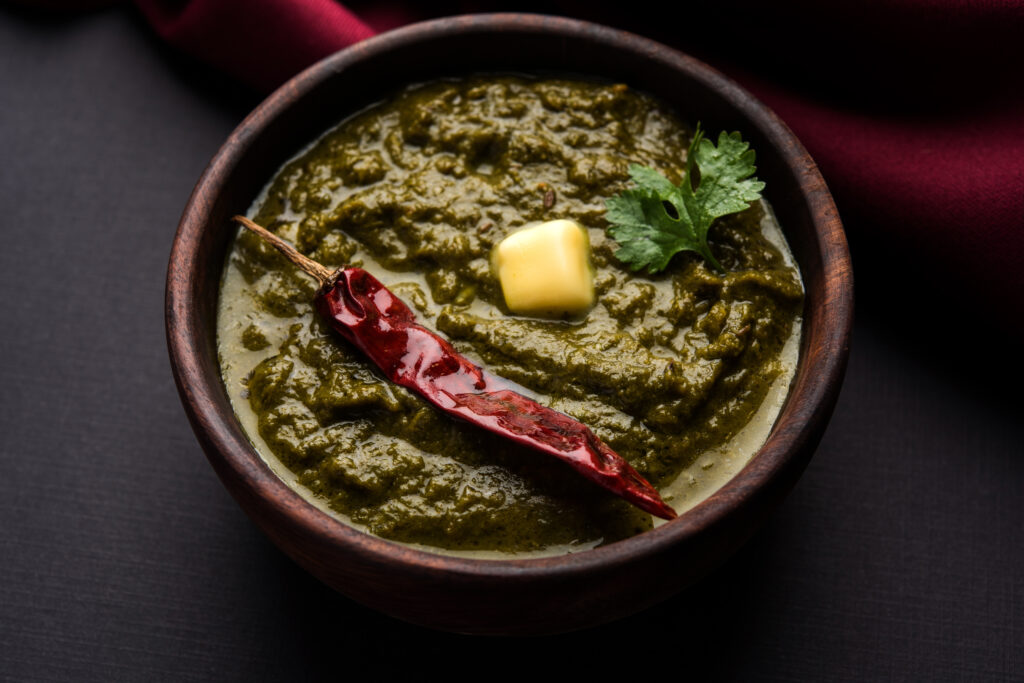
(507, 596)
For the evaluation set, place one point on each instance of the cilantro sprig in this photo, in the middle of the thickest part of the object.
(649, 235)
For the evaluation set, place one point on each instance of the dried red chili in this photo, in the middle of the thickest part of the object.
(377, 322)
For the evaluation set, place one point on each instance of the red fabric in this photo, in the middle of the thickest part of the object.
(947, 190)
(261, 42)
(914, 109)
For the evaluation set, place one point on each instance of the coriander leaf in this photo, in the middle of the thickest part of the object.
(648, 177)
(726, 182)
(650, 234)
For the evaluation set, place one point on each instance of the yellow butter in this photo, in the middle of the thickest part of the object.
(545, 269)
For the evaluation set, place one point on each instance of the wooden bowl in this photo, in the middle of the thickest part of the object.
(529, 596)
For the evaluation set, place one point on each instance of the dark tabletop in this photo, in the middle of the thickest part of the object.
(899, 555)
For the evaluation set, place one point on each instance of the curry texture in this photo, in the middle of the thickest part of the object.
(419, 190)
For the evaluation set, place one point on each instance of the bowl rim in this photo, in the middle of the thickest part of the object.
(793, 425)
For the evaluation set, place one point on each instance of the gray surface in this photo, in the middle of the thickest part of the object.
(898, 556)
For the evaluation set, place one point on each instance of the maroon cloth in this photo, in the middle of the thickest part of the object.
(914, 109)
(262, 42)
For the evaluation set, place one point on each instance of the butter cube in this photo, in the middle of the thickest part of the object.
(545, 269)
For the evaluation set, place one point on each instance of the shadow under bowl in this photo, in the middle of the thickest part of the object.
(528, 596)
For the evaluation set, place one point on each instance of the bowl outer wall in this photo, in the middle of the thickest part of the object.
(507, 596)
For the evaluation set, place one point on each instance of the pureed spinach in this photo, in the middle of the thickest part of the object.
(681, 372)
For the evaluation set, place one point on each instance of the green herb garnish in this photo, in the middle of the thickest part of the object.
(655, 220)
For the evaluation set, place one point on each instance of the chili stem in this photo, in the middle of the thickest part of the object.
(308, 265)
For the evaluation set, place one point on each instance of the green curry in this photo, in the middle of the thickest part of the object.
(681, 373)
